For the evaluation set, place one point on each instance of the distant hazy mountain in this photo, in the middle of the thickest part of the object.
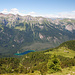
(20, 33)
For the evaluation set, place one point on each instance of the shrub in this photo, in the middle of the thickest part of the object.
(53, 64)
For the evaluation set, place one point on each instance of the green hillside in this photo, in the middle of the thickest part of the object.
(66, 49)
(69, 45)
(36, 62)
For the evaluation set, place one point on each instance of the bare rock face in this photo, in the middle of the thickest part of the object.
(13, 20)
(18, 31)
(69, 27)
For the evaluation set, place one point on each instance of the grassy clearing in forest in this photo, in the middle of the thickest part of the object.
(63, 51)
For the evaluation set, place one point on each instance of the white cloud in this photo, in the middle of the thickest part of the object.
(5, 11)
(73, 11)
(50, 16)
(32, 13)
(62, 15)
(16, 11)
(12, 11)
(67, 15)
(59, 15)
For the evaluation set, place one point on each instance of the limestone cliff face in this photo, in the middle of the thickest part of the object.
(27, 32)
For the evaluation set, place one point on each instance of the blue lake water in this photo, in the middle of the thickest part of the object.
(26, 52)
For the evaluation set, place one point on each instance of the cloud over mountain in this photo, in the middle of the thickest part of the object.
(12, 11)
(32, 13)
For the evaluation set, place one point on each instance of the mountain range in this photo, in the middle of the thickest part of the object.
(21, 33)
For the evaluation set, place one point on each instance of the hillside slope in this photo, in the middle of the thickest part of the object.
(21, 33)
(37, 61)
(69, 45)
(66, 49)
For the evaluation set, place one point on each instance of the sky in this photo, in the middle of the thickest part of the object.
(45, 8)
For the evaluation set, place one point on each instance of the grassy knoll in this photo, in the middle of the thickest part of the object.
(63, 51)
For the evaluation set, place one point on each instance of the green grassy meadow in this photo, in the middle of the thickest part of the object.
(63, 51)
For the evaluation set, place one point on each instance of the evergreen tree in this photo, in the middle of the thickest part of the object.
(53, 64)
